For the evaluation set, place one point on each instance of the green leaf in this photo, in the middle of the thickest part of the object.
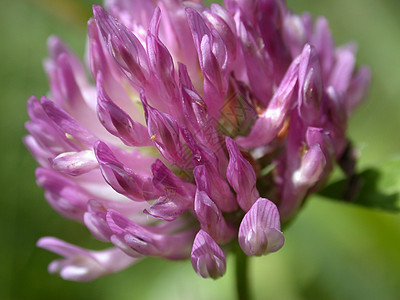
(377, 187)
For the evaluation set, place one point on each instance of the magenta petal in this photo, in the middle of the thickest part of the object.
(118, 122)
(315, 135)
(49, 138)
(343, 68)
(170, 182)
(323, 42)
(215, 82)
(169, 207)
(259, 232)
(294, 33)
(268, 125)
(211, 218)
(114, 80)
(258, 63)
(99, 58)
(136, 240)
(206, 210)
(358, 88)
(322, 137)
(209, 63)
(162, 65)
(311, 168)
(197, 26)
(310, 85)
(95, 221)
(164, 132)
(63, 194)
(66, 75)
(208, 180)
(47, 134)
(64, 82)
(81, 264)
(126, 49)
(67, 125)
(57, 47)
(269, 16)
(75, 163)
(42, 155)
(122, 179)
(241, 176)
(207, 258)
(224, 24)
(336, 105)
(212, 55)
(194, 108)
(129, 12)
(160, 60)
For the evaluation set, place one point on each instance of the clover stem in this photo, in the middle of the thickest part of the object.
(242, 280)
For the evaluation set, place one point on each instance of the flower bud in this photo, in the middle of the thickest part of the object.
(311, 168)
(207, 258)
(260, 230)
(124, 46)
(75, 163)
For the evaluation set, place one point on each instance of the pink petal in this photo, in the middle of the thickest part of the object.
(207, 258)
(259, 231)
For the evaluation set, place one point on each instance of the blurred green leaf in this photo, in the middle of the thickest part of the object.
(377, 187)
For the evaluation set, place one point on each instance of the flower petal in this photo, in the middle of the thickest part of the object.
(124, 46)
(81, 264)
(259, 232)
(211, 219)
(241, 176)
(207, 258)
(268, 125)
(75, 163)
(63, 194)
(118, 122)
(122, 179)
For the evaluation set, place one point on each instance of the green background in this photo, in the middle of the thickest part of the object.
(332, 250)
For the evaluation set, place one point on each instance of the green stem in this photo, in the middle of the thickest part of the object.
(242, 280)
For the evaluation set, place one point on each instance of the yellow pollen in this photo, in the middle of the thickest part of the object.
(72, 139)
(284, 130)
(303, 149)
(199, 103)
(153, 137)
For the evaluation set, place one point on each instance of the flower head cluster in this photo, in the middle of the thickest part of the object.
(198, 127)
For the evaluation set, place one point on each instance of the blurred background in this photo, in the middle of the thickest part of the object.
(332, 250)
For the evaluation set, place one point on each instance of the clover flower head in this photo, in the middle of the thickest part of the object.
(197, 127)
